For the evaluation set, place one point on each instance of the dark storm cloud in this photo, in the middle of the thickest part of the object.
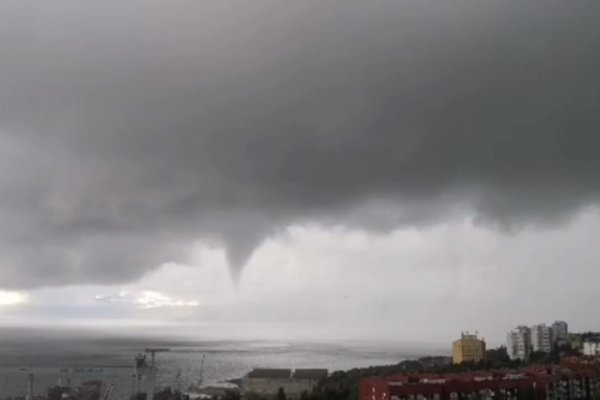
(128, 131)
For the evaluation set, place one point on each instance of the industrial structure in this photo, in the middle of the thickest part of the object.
(153, 367)
(109, 381)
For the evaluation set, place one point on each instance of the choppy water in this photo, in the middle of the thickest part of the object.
(60, 359)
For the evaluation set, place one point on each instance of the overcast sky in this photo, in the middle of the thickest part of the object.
(313, 169)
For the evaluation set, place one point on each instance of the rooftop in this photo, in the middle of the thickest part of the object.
(270, 373)
(310, 373)
(553, 372)
(284, 373)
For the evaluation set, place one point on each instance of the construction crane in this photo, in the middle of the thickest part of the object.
(153, 351)
(178, 380)
(30, 378)
(107, 392)
(196, 387)
(201, 380)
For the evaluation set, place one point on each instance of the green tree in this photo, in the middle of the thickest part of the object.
(253, 396)
(280, 394)
(232, 395)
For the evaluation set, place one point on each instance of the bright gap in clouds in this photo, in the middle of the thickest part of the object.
(330, 284)
(8, 298)
(151, 299)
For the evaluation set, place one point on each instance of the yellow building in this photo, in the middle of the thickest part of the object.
(468, 348)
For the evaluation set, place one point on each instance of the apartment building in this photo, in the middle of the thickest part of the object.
(551, 383)
(542, 338)
(518, 343)
(468, 348)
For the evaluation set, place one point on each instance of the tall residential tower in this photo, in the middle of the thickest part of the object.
(560, 330)
(518, 343)
(542, 338)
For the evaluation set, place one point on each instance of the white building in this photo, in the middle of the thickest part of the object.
(518, 343)
(542, 338)
(268, 382)
(560, 329)
(591, 348)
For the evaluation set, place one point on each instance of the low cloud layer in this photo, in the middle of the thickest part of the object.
(130, 131)
(332, 284)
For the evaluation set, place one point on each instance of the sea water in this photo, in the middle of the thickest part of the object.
(74, 360)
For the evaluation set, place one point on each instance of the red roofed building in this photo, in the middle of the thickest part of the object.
(536, 383)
